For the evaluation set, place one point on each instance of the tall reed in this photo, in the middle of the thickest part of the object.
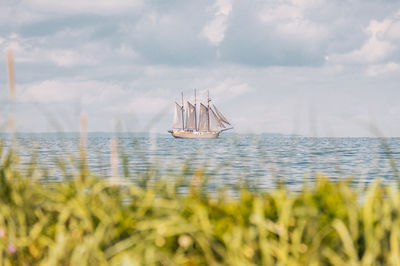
(88, 221)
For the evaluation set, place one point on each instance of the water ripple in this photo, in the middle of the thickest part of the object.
(255, 158)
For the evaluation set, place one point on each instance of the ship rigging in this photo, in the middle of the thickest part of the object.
(210, 123)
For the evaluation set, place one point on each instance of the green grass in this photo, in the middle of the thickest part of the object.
(85, 221)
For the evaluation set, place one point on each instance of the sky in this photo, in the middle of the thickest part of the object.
(309, 67)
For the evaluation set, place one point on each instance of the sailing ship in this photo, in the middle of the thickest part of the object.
(210, 123)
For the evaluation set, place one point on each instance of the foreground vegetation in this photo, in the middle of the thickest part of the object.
(86, 221)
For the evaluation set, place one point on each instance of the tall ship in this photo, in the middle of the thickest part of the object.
(208, 124)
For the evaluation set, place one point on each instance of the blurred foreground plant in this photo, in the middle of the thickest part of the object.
(86, 221)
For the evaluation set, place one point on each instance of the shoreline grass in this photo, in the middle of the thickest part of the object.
(85, 220)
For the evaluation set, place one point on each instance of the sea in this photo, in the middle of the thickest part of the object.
(261, 160)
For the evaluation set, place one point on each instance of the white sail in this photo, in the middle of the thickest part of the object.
(221, 116)
(190, 117)
(215, 121)
(203, 118)
(177, 124)
(210, 123)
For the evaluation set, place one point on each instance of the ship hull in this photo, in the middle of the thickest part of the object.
(195, 134)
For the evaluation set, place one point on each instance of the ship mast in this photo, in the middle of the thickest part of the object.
(208, 110)
(195, 110)
(183, 123)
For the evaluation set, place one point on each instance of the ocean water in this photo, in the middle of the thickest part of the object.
(258, 159)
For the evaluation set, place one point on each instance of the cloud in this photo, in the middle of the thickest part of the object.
(375, 49)
(377, 70)
(15, 13)
(229, 89)
(118, 98)
(268, 33)
(259, 58)
(142, 105)
(70, 58)
(67, 48)
(214, 31)
(58, 57)
(289, 18)
(102, 7)
(168, 37)
(70, 91)
(381, 45)
(263, 33)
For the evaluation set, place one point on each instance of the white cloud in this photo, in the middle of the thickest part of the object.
(394, 31)
(383, 41)
(376, 48)
(221, 89)
(70, 58)
(83, 6)
(26, 12)
(229, 89)
(70, 91)
(214, 31)
(289, 19)
(376, 70)
(25, 52)
(50, 49)
(147, 104)
(16, 13)
(125, 51)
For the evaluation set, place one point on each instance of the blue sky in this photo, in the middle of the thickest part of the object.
(312, 67)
